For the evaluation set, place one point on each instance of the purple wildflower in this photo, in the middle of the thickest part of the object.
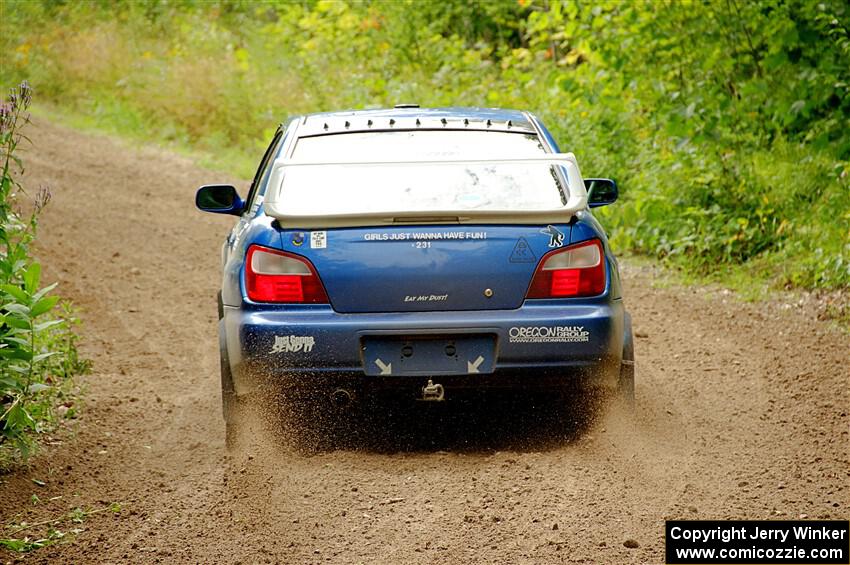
(26, 93)
(5, 117)
(42, 197)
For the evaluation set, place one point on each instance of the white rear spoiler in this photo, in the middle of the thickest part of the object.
(275, 205)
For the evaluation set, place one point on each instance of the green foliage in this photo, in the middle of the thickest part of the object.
(52, 534)
(27, 544)
(37, 347)
(726, 123)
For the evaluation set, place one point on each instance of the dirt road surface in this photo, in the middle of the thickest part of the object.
(742, 412)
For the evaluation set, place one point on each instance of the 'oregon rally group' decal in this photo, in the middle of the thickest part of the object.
(548, 334)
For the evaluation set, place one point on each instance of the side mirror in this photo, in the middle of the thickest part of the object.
(600, 192)
(219, 199)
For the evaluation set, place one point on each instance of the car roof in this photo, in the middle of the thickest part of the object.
(413, 118)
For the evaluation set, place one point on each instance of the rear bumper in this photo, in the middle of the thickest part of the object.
(543, 343)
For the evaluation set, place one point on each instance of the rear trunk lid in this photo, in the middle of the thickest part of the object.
(432, 268)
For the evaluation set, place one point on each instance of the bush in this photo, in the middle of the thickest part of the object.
(38, 356)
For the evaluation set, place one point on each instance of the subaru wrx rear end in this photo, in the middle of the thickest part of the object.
(423, 252)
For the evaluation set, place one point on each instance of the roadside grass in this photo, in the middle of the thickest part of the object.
(60, 528)
(121, 123)
(737, 282)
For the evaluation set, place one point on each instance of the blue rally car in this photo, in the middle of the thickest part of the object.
(420, 251)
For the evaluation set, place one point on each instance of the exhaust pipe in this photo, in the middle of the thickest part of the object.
(341, 398)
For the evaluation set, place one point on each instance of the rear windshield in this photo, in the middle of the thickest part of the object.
(353, 189)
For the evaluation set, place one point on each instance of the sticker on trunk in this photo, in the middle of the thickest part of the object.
(426, 298)
(556, 238)
(318, 239)
(522, 252)
(425, 236)
(548, 334)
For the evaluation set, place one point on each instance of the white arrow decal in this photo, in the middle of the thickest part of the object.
(473, 367)
(386, 369)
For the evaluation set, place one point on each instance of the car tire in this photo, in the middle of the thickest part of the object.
(626, 381)
(229, 400)
(230, 406)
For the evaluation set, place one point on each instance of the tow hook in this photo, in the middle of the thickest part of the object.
(433, 393)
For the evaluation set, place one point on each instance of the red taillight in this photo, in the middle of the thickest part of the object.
(575, 271)
(277, 276)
